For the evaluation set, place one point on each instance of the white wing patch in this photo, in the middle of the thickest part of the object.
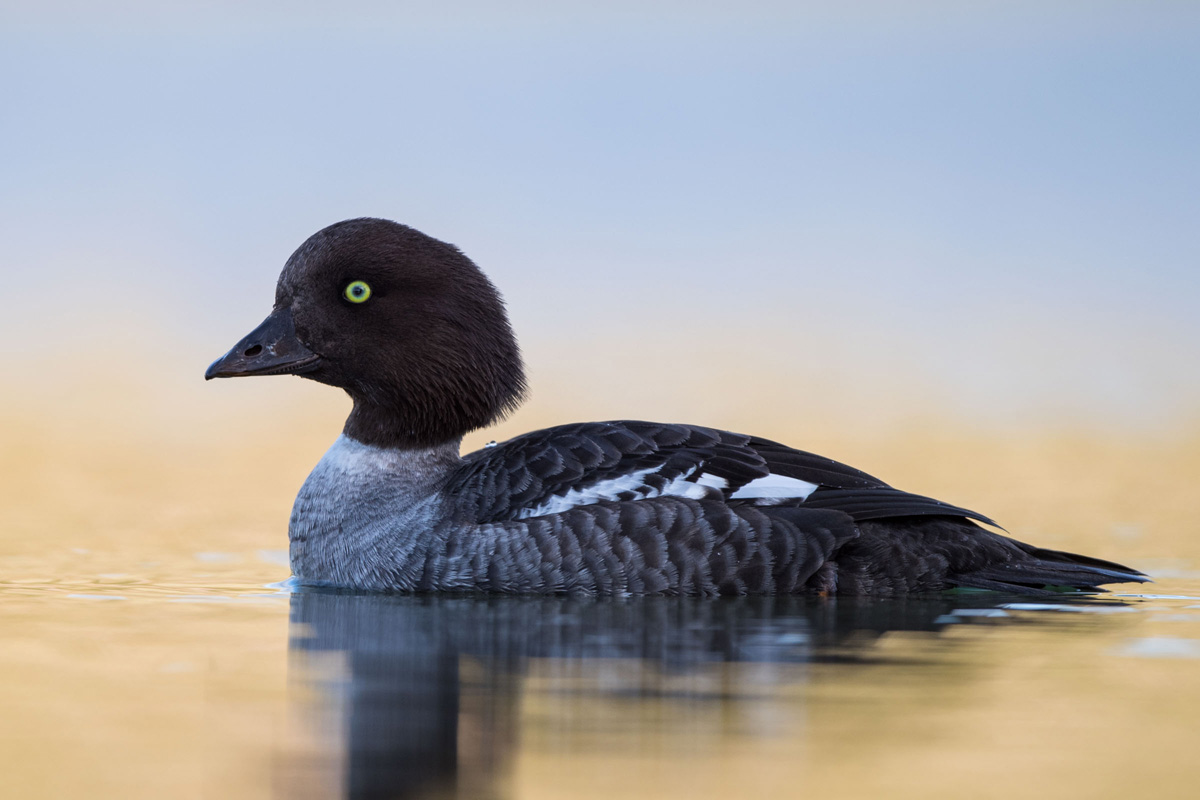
(701, 487)
(596, 493)
(775, 486)
(768, 487)
(635, 482)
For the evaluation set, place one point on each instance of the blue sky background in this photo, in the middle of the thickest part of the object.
(988, 210)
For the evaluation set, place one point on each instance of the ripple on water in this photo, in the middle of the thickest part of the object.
(1160, 647)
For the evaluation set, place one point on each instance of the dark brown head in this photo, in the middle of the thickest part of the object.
(407, 325)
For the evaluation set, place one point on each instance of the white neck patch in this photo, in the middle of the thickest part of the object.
(352, 458)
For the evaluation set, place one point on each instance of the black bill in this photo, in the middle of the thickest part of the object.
(270, 349)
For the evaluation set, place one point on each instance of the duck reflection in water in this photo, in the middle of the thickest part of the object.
(426, 691)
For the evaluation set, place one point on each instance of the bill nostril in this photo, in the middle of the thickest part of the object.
(253, 351)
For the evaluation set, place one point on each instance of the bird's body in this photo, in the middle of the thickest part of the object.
(420, 341)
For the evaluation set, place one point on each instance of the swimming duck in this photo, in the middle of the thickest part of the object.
(418, 337)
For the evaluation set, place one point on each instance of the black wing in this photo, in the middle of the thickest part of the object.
(552, 470)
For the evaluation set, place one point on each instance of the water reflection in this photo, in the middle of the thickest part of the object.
(422, 696)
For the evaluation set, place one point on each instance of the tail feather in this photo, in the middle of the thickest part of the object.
(930, 553)
(1050, 568)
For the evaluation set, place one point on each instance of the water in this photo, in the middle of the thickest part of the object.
(125, 689)
(150, 646)
(450, 697)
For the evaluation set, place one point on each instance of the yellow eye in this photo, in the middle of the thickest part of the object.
(357, 292)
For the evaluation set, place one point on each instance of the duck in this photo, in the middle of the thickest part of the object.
(419, 338)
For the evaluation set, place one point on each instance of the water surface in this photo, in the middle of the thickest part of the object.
(136, 690)
(151, 647)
